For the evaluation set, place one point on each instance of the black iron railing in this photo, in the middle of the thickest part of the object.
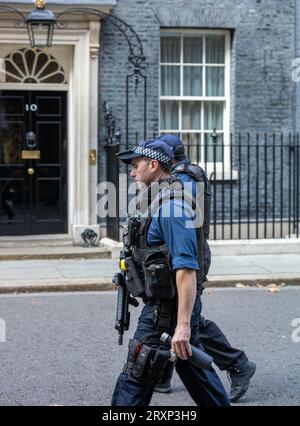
(255, 184)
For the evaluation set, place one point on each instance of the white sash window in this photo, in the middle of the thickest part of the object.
(194, 91)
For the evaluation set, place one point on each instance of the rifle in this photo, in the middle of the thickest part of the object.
(123, 302)
(123, 283)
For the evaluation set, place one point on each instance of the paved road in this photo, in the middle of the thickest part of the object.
(62, 348)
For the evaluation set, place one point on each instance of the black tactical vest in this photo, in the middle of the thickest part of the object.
(141, 249)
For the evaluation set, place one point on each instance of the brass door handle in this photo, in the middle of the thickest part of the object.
(93, 157)
(30, 171)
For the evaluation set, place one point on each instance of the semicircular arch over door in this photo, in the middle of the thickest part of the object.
(32, 66)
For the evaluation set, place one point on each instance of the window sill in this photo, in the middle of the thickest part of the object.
(219, 175)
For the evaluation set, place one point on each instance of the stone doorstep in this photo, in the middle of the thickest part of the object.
(232, 247)
(38, 247)
(36, 240)
(60, 246)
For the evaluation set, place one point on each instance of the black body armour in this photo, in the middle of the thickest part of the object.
(154, 262)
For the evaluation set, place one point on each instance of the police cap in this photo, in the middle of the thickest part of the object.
(175, 144)
(156, 149)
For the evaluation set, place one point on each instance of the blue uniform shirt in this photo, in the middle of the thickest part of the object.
(180, 239)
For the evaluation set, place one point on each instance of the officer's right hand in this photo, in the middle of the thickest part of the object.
(181, 341)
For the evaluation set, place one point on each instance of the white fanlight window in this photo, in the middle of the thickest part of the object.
(194, 91)
(31, 66)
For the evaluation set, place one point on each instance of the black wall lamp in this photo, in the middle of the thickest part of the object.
(40, 23)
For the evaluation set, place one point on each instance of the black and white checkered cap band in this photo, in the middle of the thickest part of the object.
(148, 152)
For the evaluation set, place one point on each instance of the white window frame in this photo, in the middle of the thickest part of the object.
(210, 167)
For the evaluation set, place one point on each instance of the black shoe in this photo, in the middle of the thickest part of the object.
(240, 380)
(163, 387)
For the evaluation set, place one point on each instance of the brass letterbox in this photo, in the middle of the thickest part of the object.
(31, 154)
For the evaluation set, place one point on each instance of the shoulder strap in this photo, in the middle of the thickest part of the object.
(196, 172)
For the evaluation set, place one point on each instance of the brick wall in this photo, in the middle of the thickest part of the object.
(263, 95)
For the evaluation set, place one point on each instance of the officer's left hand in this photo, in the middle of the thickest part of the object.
(180, 342)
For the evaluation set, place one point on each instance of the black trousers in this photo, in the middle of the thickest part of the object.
(213, 339)
(216, 344)
(204, 386)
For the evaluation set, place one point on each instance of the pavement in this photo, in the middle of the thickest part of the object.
(42, 275)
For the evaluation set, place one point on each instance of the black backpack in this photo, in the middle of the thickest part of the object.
(197, 173)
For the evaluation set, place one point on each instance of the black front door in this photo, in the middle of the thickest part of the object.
(33, 163)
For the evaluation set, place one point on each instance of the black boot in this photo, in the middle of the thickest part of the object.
(240, 380)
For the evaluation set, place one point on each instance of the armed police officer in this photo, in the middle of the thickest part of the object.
(234, 361)
(165, 251)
